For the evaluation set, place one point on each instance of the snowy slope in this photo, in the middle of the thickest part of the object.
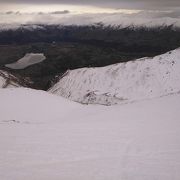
(27, 104)
(7, 80)
(125, 82)
(44, 137)
(28, 60)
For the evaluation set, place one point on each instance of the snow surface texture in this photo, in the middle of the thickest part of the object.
(37, 105)
(44, 137)
(124, 82)
(28, 60)
(7, 80)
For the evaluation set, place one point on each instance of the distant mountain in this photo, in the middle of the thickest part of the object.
(124, 82)
(130, 38)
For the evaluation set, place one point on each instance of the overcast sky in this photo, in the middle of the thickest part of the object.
(114, 4)
(123, 12)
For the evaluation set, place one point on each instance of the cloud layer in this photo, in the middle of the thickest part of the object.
(145, 18)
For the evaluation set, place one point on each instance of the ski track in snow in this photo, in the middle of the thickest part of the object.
(59, 139)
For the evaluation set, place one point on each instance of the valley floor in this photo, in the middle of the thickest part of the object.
(46, 137)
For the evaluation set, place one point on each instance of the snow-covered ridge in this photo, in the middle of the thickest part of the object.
(124, 82)
(28, 60)
(7, 80)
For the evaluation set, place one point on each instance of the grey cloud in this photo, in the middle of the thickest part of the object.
(60, 12)
(158, 14)
(175, 14)
(12, 12)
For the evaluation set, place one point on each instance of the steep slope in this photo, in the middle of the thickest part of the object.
(125, 82)
(7, 80)
(44, 137)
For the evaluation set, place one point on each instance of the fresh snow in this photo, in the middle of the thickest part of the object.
(28, 104)
(124, 82)
(43, 136)
(28, 60)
